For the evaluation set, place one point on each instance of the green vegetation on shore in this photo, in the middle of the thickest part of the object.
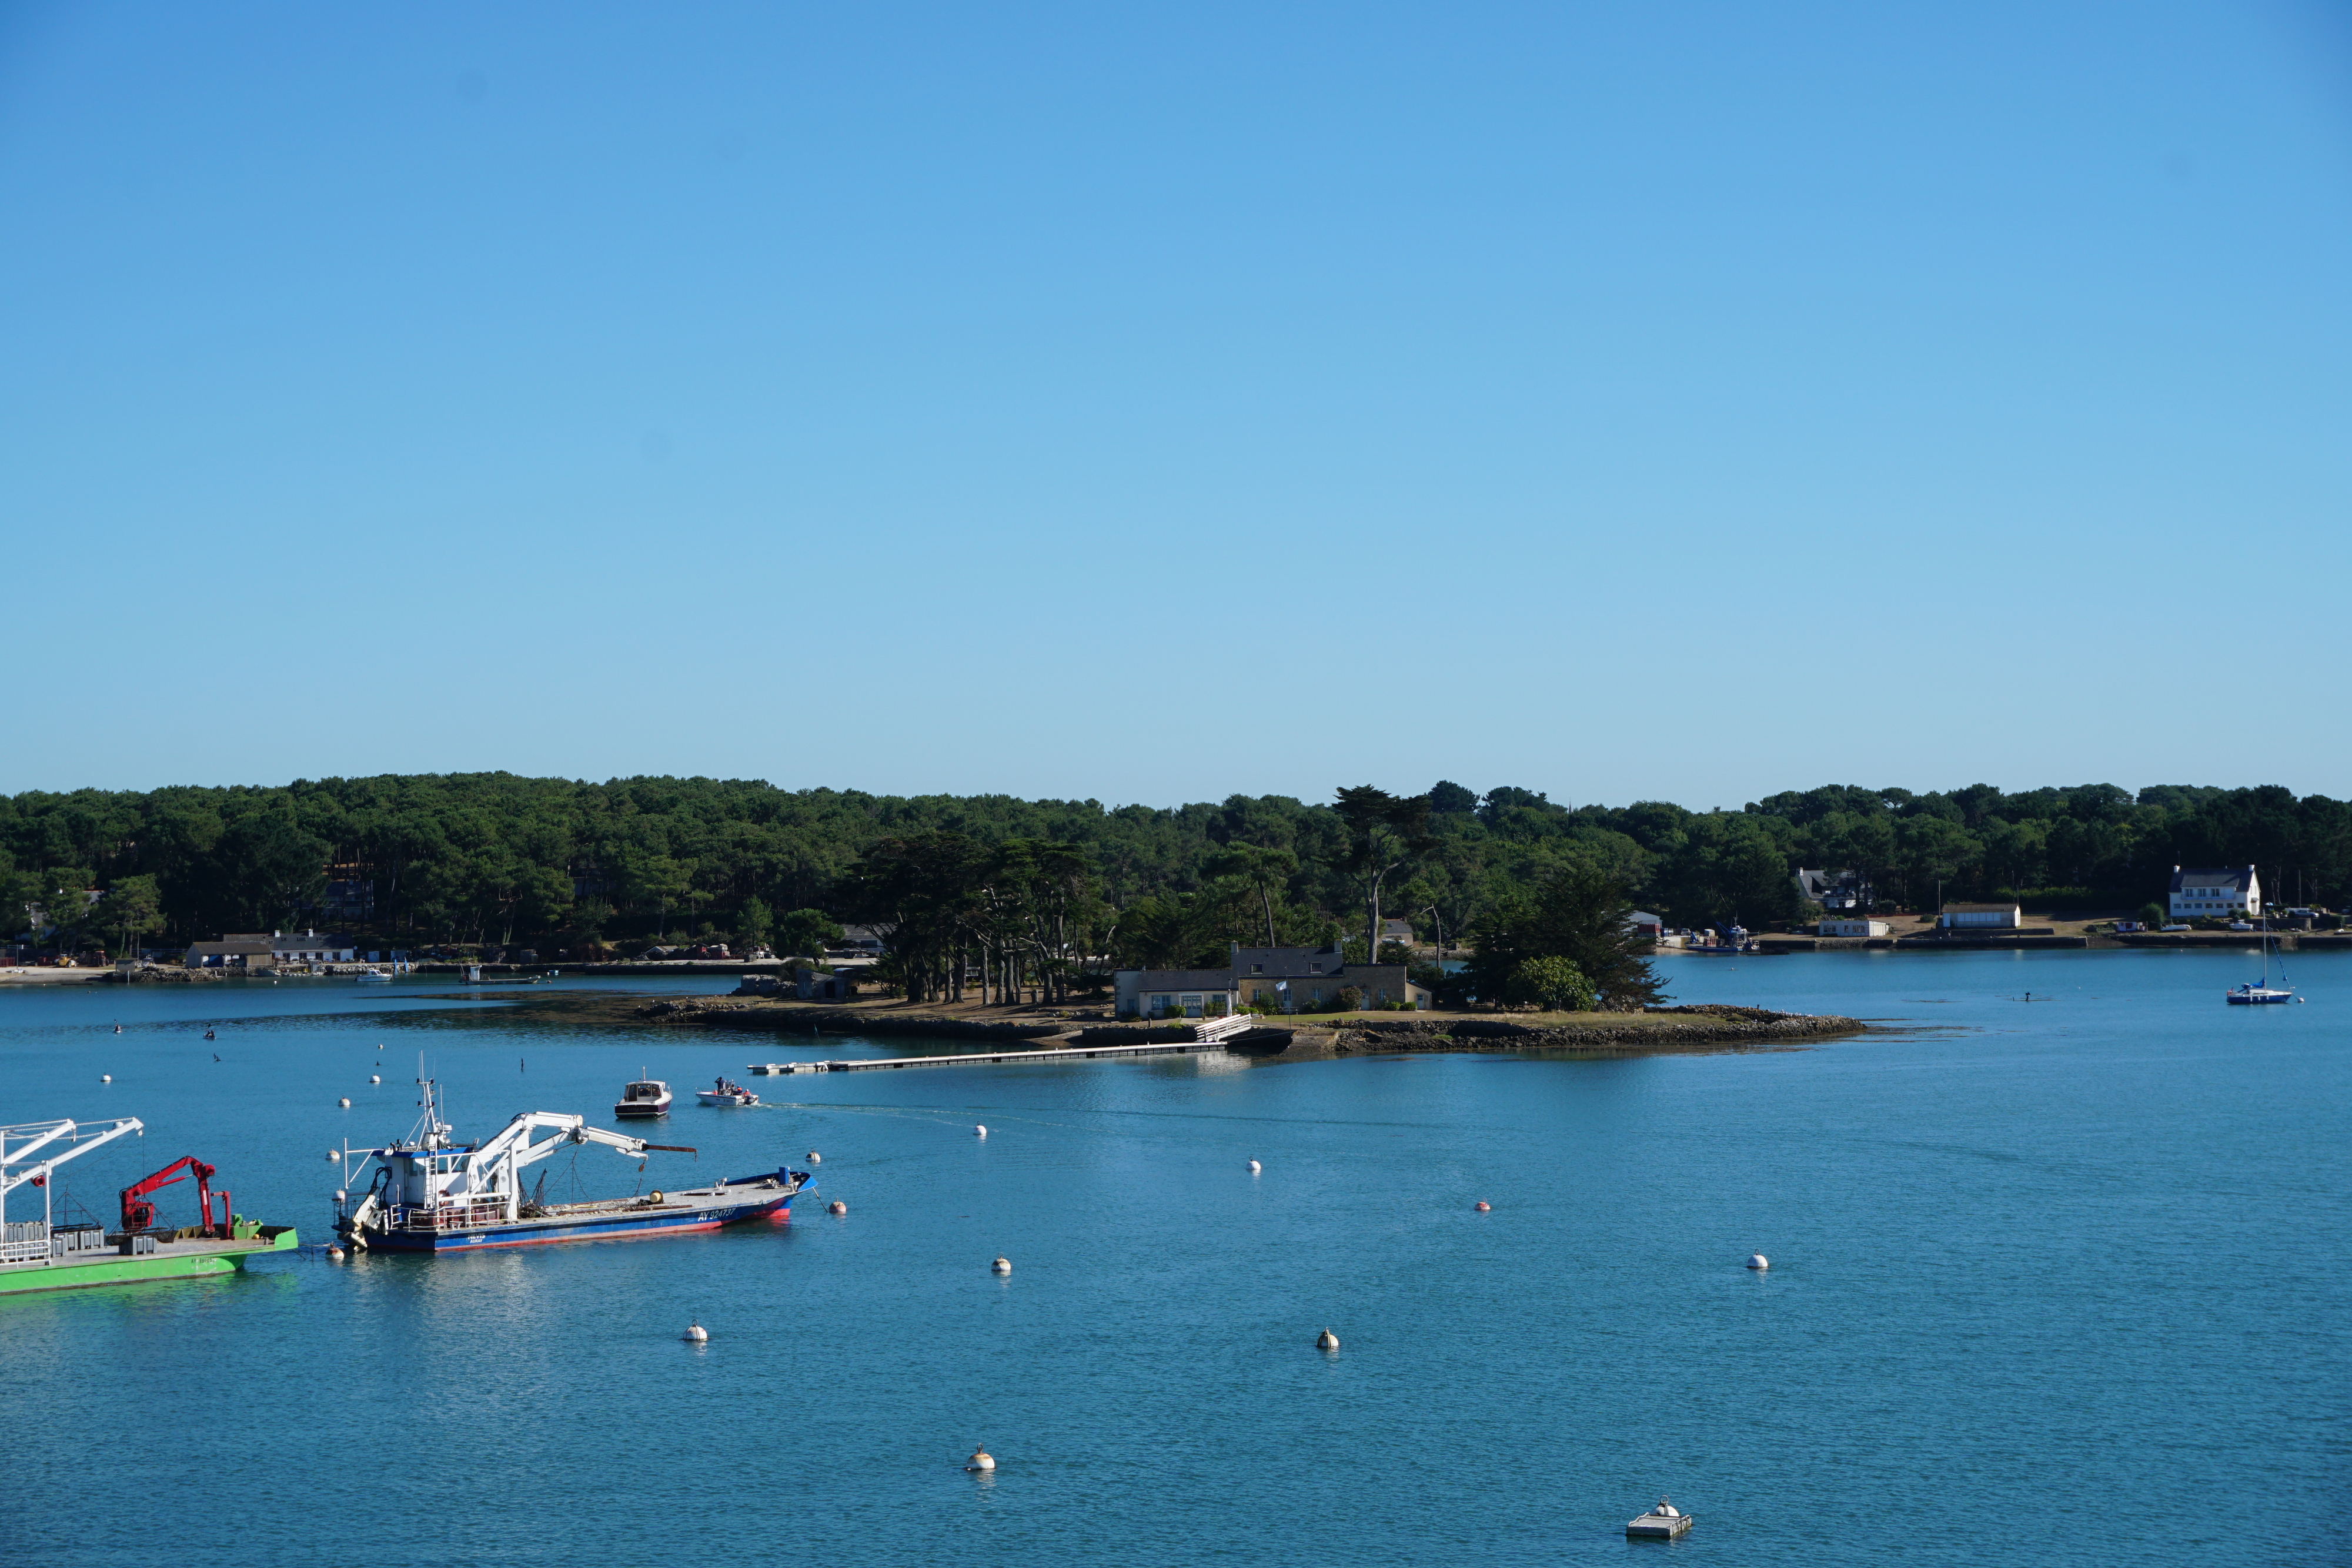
(497, 859)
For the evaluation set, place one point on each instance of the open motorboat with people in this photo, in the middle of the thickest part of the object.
(646, 1097)
(435, 1192)
(726, 1091)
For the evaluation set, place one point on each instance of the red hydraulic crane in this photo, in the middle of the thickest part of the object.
(137, 1214)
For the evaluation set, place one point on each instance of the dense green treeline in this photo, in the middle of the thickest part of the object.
(493, 858)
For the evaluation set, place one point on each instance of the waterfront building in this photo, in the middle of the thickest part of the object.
(1290, 979)
(2215, 890)
(1835, 890)
(1316, 976)
(1851, 928)
(1176, 993)
(267, 949)
(1979, 917)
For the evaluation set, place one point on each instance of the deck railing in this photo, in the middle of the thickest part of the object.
(451, 1216)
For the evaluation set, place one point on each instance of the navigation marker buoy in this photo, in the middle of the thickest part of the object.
(980, 1132)
(696, 1334)
(1327, 1339)
(980, 1461)
(837, 1207)
(1758, 1260)
(1001, 1266)
(1255, 1167)
(1485, 1208)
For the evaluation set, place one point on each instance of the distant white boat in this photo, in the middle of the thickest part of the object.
(373, 977)
(646, 1097)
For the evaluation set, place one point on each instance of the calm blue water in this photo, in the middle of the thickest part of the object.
(2062, 1281)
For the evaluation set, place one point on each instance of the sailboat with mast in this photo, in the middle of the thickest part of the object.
(2262, 993)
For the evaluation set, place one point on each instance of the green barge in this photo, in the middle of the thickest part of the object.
(36, 1255)
(193, 1258)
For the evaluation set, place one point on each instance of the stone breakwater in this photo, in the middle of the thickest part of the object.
(1660, 1029)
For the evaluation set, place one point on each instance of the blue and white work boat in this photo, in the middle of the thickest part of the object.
(432, 1192)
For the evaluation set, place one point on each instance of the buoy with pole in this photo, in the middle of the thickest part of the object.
(979, 1460)
(1758, 1260)
(837, 1207)
(1327, 1339)
(815, 1158)
(696, 1334)
(1001, 1266)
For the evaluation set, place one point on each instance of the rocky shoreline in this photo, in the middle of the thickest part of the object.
(1658, 1029)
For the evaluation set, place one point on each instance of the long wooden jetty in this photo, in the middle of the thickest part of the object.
(1210, 1035)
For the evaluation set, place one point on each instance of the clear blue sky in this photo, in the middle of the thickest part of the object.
(1667, 401)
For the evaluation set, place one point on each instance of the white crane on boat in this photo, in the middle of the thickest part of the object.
(22, 1160)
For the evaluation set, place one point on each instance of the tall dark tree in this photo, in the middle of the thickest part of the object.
(1384, 832)
(1579, 914)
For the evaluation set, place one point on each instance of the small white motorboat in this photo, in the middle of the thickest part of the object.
(1664, 1522)
(373, 977)
(725, 1091)
(646, 1097)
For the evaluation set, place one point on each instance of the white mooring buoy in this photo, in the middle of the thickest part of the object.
(332, 1156)
(980, 1132)
(345, 1103)
(696, 1334)
(1758, 1260)
(979, 1460)
(1255, 1167)
(1001, 1266)
(837, 1207)
(1485, 1207)
(815, 1158)
(1327, 1339)
(375, 1078)
(334, 1254)
(106, 1078)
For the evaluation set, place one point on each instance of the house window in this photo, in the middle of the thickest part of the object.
(1257, 968)
(1317, 968)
